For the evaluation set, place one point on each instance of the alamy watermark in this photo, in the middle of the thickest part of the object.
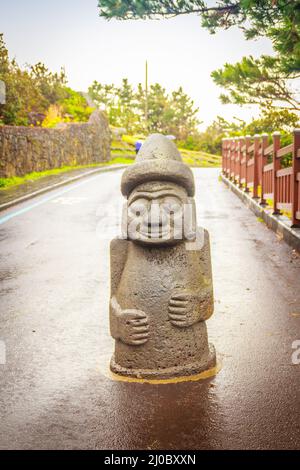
(155, 222)
(2, 353)
(2, 92)
(296, 354)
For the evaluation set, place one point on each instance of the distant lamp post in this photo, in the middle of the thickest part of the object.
(2, 92)
(146, 96)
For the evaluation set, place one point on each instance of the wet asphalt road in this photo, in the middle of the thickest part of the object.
(54, 391)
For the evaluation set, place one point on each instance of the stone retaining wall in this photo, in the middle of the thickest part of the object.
(26, 149)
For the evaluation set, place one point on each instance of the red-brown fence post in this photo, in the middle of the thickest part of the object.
(235, 153)
(296, 180)
(223, 155)
(276, 167)
(227, 144)
(264, 145)
(230, 158)
(226, 158)
(241, 142)
(247, 143)
(256, 164)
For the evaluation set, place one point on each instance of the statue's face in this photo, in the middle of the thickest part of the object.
(155, 213)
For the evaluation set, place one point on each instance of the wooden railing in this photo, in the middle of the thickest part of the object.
(254, 165)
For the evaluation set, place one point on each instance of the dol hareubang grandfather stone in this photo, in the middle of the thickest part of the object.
(161, 288)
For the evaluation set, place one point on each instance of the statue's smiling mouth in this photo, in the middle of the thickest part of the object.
(156, 233)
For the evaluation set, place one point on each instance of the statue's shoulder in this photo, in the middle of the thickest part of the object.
(119, 243)
(205, 235)
(119, 249)
(118, 257)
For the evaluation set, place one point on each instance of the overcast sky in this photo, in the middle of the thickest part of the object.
(70, 33)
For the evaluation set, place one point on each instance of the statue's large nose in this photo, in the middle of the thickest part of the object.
(155, 223)
(156, 216)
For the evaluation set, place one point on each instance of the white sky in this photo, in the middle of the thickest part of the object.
(70, 33)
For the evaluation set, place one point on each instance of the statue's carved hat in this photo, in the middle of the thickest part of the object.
(158, 160)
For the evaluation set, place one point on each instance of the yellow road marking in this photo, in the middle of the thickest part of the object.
(187, 378)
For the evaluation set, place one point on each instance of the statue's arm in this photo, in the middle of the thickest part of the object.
(189, 305)
(127, 325)
(114, 317)
(206, 295)
(118, 256)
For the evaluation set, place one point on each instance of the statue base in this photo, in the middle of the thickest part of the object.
(193, 368)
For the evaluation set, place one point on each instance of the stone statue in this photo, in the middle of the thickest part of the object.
(161, 281)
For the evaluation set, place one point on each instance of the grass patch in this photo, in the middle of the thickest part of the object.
(282, 211)
(200, 159)
(131, 139)
(122, 159)
(193, 158)
(7, 183)
(122, 152)
(269, 202)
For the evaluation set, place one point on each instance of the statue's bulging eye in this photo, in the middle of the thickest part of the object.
(171, 205)
(138, 208)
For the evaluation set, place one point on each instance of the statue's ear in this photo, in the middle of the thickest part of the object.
(190, 221)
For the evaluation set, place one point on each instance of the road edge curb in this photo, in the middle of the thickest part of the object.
(280, 224)
(34, 194)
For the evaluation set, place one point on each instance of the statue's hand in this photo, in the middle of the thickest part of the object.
(184, 309)
(133, 327)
